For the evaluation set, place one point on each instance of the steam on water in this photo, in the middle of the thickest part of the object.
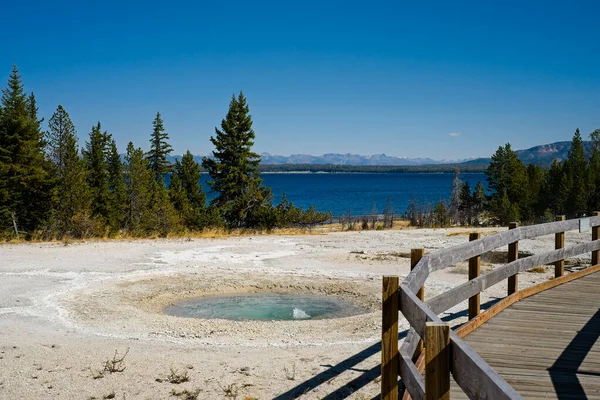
(264, 307)
(299, 314)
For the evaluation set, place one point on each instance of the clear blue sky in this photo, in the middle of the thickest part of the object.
(362, 77)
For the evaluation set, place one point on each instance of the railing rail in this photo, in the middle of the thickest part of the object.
(476, 378)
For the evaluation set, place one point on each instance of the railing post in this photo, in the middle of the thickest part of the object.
(474, 271)
(596, 236)
(389, 339)
(437, 361)
(513, 255)
(415, 257)
(559, 243)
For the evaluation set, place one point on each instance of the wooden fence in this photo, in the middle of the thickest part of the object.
(445, 351)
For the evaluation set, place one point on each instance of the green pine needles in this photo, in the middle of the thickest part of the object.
(50, 188)
(241, 197)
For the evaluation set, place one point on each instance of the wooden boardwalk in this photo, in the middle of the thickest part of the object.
(546, 346)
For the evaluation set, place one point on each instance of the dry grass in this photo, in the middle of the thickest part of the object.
(463, 268)
(186, 394)
(467, 232)
(177, 377)
(537, 270)
(111, 366)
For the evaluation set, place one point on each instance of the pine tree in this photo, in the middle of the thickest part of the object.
(535, 181)
(159, 149)
(507, 179)
(479, 202)
(186, 192)
(595, 138)
(454, 206)
(117, 208)
(149, 210)
(555, 189)
(388, 214)
(241, 196)
(577, 171)
(466, 204)
(593, 176)
(60, 129)
(25, 180)
(95, 159)
(139, 178)
(72, 201)
(161, 217)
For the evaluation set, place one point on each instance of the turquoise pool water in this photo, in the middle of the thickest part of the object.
(264, 307)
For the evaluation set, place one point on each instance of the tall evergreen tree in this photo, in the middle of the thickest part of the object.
(479, 202)
(117, 210)
(454, 206)
(139, 179)
(466, 204)
(535, 181)
(25, 181)
(95, 159)
(577, 170)
(60, 130)
(159, 149)
(593, 176)
(72, 194)
(186, 192)
(555, 190)
(161, 217)
(233, 168)
(507, 179)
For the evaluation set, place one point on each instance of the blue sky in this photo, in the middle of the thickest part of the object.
(417, 79)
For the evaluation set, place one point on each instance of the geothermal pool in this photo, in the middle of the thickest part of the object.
(264, 307)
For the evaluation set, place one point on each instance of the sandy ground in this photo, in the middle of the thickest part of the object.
(66, 310)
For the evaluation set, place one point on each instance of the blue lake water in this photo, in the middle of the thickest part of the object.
(340, 192)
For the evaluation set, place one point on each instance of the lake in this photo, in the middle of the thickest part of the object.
(357, 192)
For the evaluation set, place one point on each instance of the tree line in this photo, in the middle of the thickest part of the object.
(379, 169)
(570, 187)
(521, 193)
(50, 187)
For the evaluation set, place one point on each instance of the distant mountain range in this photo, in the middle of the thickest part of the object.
(541, 155)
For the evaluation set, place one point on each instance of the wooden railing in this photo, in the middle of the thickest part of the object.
(446, 347)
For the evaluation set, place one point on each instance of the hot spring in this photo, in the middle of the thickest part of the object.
(264, 307)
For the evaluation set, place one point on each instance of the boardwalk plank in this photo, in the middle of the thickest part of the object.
(546, 343)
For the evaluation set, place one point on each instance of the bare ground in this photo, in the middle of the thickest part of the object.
(66, 310)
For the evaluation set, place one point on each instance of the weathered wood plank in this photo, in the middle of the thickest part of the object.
(523, 343)
(508, 301)
(415, 257)
(389, 338)
(411, 377)
(559, 243)
(437, 361)
(474, 272)
(415, 311)
(596, 236)
(477, 379)
(513, 255)
(447, 257)
(462, 292)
